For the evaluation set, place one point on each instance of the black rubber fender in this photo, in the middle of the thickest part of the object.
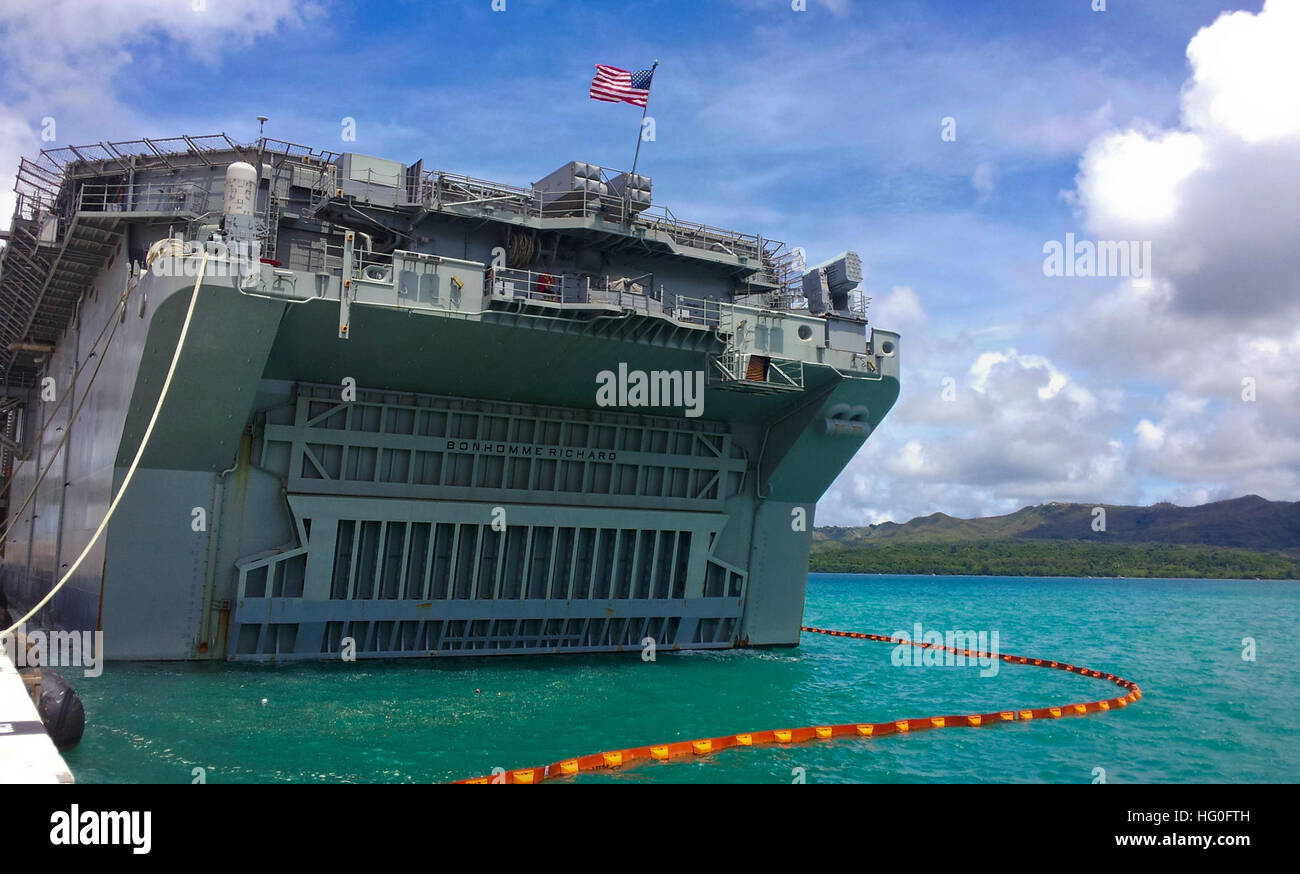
(61, 710)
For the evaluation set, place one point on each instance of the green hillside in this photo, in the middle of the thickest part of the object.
(1240, 538)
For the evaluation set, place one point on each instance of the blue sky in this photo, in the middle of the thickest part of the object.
(822, 128)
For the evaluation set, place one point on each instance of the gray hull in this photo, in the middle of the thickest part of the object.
(391, 466)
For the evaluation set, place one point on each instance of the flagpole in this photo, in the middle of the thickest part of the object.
(642, 125)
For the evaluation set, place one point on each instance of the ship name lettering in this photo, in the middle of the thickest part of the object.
(525, 451)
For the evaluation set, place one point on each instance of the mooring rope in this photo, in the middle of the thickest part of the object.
(613, 759)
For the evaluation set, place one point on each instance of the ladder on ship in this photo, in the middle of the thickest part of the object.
(50, 262)
(271, 215)
(10, 413)
(789, 266)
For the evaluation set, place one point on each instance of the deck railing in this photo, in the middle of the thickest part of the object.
(175, 198)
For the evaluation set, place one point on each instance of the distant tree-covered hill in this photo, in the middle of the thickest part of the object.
(1243, 537)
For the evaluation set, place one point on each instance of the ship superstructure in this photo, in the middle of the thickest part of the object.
(416, 413)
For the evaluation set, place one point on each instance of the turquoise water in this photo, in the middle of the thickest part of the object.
(1206, 715)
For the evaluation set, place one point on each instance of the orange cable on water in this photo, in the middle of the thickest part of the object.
(784, 736)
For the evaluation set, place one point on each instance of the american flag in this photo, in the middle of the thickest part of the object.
(613, 85)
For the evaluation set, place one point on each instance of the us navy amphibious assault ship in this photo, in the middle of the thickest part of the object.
(431, 414)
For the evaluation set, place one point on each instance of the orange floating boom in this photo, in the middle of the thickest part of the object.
(710, 745)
